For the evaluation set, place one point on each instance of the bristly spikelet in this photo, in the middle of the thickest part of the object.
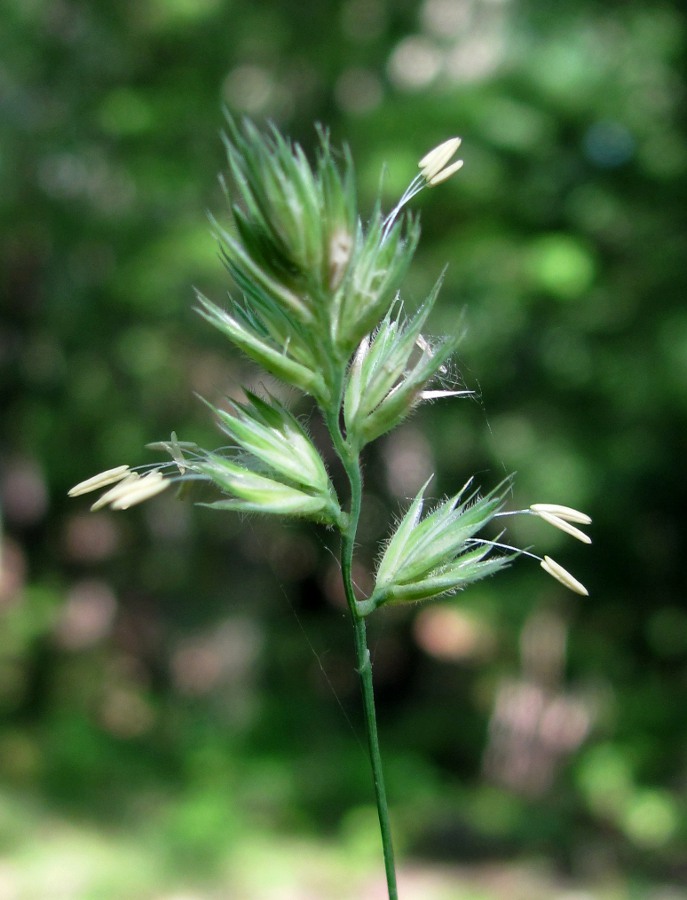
(438, 554)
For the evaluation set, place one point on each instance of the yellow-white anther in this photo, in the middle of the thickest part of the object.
(110, 476)
(563, 512)
(151, 484)
(433, 162)
(561, 523)
(114, 492)
(445, 173)
(551, 567)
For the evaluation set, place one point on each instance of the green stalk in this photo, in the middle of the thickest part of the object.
(351, 462)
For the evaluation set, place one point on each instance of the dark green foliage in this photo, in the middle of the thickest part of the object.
(565, 240)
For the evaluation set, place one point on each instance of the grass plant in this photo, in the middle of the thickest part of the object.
(317, 305)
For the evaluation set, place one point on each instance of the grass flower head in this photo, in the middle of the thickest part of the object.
(316, 303)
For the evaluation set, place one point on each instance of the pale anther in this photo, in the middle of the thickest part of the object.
(110, 476)
(563, 512)
(114, 492)
(436, 159)
(551, 567)
(150, 485)
(558, 522)
(445, 173)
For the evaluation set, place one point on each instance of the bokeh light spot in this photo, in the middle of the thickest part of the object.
(561, 265)
(608, 144)
(452, 635)
(358, 91)
(249, 88)
(414, 63)
(87, 615)
(651, 818)
(125, 112)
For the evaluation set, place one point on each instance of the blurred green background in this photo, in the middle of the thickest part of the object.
(179, 707)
